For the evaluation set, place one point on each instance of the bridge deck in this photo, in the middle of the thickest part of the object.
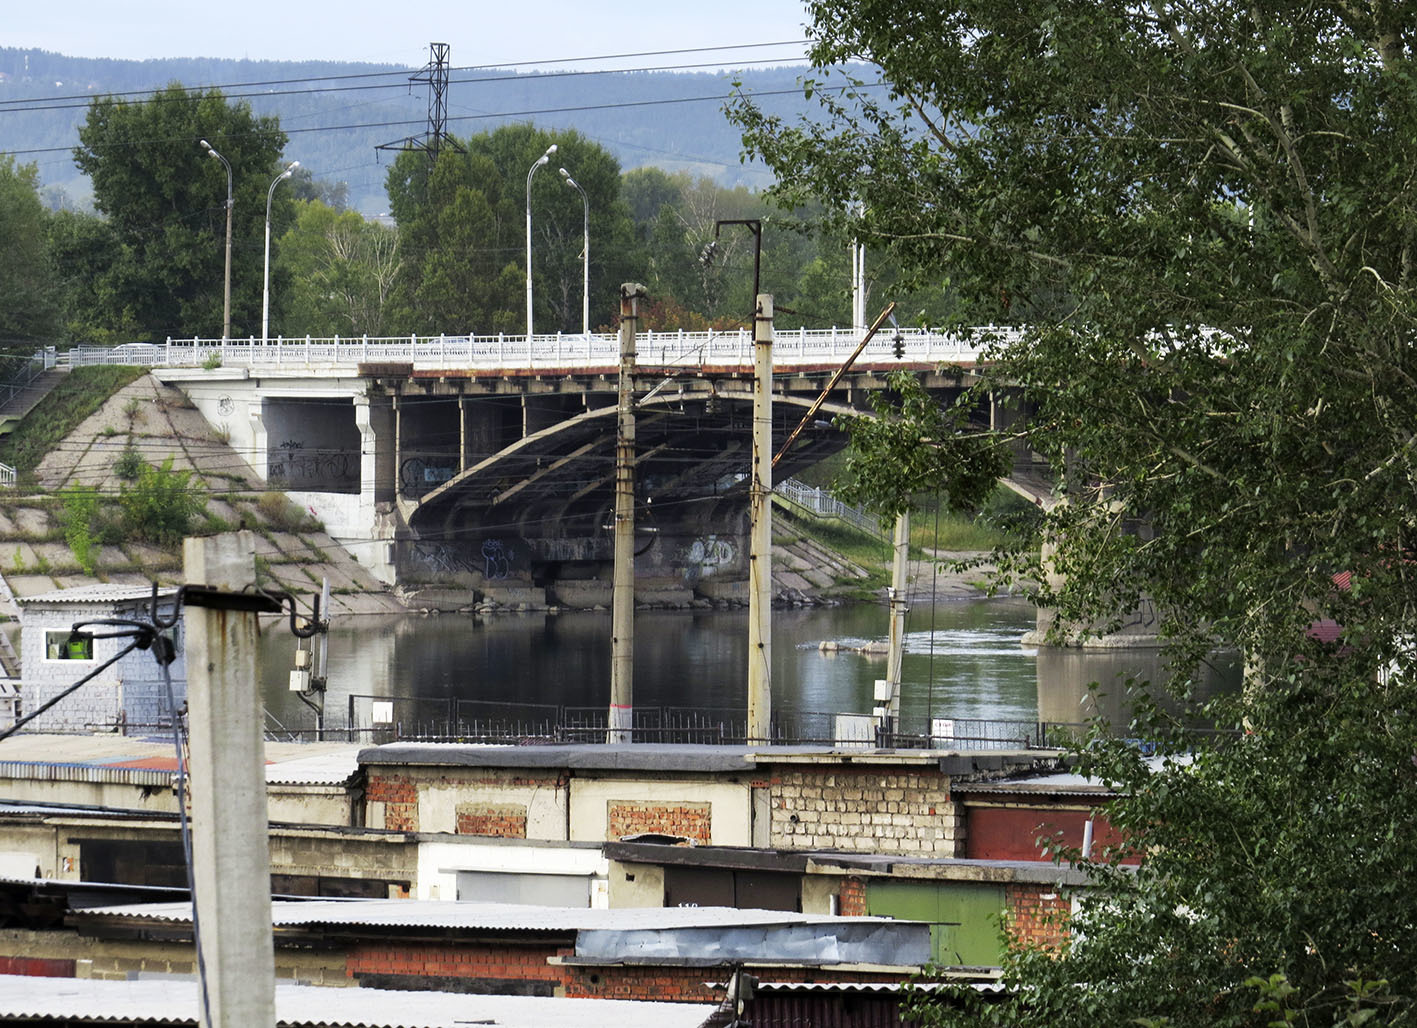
(705, 350)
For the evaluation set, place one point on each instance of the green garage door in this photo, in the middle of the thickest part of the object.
(964, 916)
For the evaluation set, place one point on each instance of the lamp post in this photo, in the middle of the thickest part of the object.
(530, 172)
(754, 226)
(266, 275)
(226, 298)
(585, 254)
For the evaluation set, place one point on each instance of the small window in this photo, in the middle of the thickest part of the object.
(63, 645)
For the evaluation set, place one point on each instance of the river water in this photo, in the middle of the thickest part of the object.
(963, 660)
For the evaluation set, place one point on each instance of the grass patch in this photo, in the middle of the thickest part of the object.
(954, 532)
(78, 394)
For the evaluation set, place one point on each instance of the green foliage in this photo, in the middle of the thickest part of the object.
(1203, 223)
(211, 361)
(78, 394)
(342, 271)
(913, 446)
(129, 464)
(165, 201)
(28, 285)
(81, 505)
(162, 504)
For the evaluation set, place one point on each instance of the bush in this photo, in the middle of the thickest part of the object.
(78, 515)
(162, 504)
(129, 464)
(281, 515)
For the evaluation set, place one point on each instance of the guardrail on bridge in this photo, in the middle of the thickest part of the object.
(734, 349)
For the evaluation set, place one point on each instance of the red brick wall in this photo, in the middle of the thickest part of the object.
(1037, 915)
(691, 820)
(504, 962)
(37, 967)
(851, 898)
(506, 821)
(1012, 833)
(399, 795)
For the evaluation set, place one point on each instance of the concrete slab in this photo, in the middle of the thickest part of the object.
(31, 520)
(18, 558)
(30, 585)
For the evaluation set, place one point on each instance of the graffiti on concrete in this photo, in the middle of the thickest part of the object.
(313, 466)
(226, 406)
(497, 560)
(419, 475)
(708, 555)
(440, 558)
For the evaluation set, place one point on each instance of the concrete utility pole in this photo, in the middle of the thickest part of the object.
(899, 608)
(622, 604)
(230, 832)
(760, 533)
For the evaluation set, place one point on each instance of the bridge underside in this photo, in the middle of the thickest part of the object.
(544, 502)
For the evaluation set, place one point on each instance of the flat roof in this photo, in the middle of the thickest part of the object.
(453, 914)
(312, 1006)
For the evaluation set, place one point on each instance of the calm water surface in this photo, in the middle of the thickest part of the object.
(963, 659)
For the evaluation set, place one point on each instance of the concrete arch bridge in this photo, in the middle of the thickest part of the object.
(446, 462)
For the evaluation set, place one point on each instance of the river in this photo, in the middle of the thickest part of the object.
(963, 660)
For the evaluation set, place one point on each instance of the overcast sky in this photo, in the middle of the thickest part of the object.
(478, 33)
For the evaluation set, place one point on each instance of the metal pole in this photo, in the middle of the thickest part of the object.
(760, 533)
(898, 608)
(230, 830)
(530, 172)
(226, 304)
(585, 253)
(622, 610)
(266, 275)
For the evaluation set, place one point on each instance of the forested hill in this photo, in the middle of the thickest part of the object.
(336, 114)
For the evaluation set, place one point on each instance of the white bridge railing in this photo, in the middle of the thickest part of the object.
(795, 348)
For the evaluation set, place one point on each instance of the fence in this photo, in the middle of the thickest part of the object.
(559, 351)
(38, 363)
(822, 504)
(432, 719)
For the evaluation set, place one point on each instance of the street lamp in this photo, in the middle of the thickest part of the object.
(532, 171)
(585, 254)
(266, 276)
(226, 301)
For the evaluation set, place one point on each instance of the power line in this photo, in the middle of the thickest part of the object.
(403, 72)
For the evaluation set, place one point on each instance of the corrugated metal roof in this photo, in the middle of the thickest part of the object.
(333, 768)
(308, 1006)
(494, 916)
(98, 593)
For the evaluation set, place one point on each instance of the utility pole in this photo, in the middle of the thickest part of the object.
(622, 605)
(898, 609)
(436, 138)
(760, 533)
(230, 822)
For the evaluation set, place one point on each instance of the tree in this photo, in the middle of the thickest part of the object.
(1203, 218)
(341, 270)
(28, 307)
(165, 199)
(463, 219)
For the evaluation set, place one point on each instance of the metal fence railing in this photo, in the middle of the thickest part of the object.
(822, 504)
(408, 718)
(734, 348)
(39, 362)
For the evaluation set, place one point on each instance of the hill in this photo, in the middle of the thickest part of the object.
(337, 114)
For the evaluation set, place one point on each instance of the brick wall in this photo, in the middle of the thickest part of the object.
(864, 810)
(691, 820)
(399, 795)
(505, 821)
(37, 967)
(851, 899)
(1037, 915)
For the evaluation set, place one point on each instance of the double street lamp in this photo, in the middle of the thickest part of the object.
(543, 159)
(226, 302)
(266, 277)
(585, 254)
